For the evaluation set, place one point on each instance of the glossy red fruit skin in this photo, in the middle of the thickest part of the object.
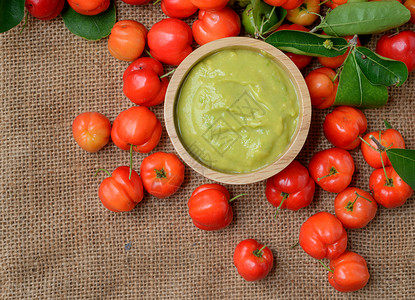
(44, 9)
(388, 138)
(142, 82)
(410, 4)
(354, 207)
(209, 207)
(89, 7)
(118, 193)
(323, 236)
(137, 126)
(214, 25)
(292, 4)
(344, 126)
(322, 84)
(392, 194)
(162, 174)
(295, 181)
(399, 46)
(91, 131)
(210, 4)
(334, 159)
(350, 272)
(179, 9)
(170, 41)
(250, 266)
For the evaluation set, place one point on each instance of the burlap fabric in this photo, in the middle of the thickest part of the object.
(58, 241)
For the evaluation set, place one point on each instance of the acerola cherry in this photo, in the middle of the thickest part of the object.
(143, 82)
(127, 40)
(344, 126)
(44, 9)
(322, 84)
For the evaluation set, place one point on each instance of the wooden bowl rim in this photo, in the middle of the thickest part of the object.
(304, 119)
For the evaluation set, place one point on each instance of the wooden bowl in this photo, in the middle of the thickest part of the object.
(298, 138)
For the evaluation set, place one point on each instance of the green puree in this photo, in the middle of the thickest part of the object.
(237, 111)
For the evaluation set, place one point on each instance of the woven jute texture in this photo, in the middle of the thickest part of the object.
(59, 242)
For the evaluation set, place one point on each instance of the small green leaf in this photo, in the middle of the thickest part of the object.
(356, 90)
(281, 13)
(387, 124)
(306, 43)
(11, 13)
(260, 19)
(90, 27)
(403, 161)
(380, 70)
(365, 18)
(256, 11)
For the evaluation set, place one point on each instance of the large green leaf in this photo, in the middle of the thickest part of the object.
(365, 18)
(380, 70)
(403, 161)
(356, 90)
(11, 13)
(90, 27)
(307, 43)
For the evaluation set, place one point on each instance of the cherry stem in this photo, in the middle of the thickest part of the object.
(236, 197)
(358, 195)
(284, 197)
(364, 141)
(156, 2)
(295, 245)
(337, 73)
(160, 173)
(167, 74)
(388, 181)
(131, 161)
(324, 265)
(353, 41)
(332, 171)
(395, 33)
(258, 252)
(104, 170)
(149, 54)
(350, 205)
(381, 148)
(321, 21)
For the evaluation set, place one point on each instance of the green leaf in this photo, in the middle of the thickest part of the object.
(260, 19)
(256, 11)
(365, 18)
(380, 70)
(306, 43)
(11, 13)
(387, 124)
(281, 13)
(356, 90)
(90, 27)
(403, 161)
